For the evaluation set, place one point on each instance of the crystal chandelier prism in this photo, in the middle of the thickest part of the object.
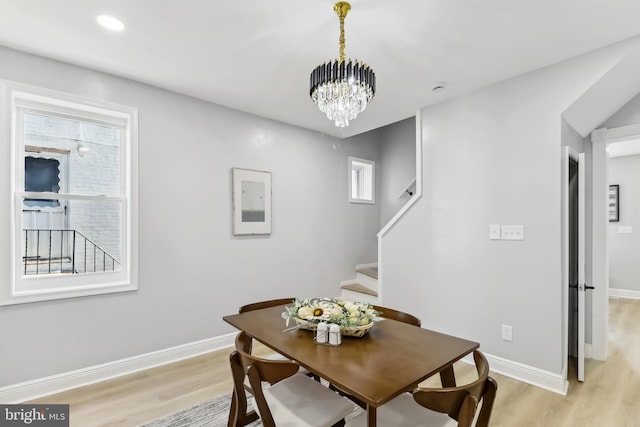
(342, 88)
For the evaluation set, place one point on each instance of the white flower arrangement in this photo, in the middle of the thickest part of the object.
(347, 314)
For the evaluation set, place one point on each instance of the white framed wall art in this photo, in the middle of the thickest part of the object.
(251, 202)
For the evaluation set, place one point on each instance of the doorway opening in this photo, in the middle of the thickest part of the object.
(572, 349)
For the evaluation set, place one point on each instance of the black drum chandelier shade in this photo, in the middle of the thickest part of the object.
(342, 88)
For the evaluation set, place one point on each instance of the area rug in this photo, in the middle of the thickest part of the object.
(212, 413)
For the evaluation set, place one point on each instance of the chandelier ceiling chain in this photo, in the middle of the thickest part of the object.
(342, 88)
(342, 9)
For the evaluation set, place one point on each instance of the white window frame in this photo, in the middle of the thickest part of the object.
(362, 180)
(19, 99)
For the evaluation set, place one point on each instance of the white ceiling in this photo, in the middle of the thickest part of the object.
(256, 55)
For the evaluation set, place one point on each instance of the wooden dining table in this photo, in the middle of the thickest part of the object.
(392, 358)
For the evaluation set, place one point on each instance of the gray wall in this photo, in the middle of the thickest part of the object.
(572, 138)
(629, 114)
(624, 249)
(493, 156)
(192, 271)
(397, 167)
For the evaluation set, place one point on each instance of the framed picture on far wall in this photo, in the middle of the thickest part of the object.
(251, 202)
(614, 203)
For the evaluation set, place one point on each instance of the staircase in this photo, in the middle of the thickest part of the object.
(364, 287)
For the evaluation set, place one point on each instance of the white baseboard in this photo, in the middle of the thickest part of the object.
(556, 383)
(588, 351)
(29, 390)
(624, 293)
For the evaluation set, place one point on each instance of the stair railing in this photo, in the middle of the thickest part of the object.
(48, 251)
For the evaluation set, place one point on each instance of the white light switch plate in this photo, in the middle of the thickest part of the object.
(512, 232)
(507, 333)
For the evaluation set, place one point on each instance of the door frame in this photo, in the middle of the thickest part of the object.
(568, 154)
(600, 139)
(582, 232)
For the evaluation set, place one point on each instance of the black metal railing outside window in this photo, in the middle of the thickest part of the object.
(48, 251)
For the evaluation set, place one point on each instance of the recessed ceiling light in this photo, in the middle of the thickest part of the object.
(110, 22)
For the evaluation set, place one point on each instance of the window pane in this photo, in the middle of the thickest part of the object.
(84, 237)
(90, 153)
(41, 174)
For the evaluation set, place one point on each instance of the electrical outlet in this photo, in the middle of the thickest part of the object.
(507, 333)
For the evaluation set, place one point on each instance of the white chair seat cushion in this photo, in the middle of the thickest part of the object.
(299, 401)
(403, 411)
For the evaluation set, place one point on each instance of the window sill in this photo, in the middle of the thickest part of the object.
(26, 297)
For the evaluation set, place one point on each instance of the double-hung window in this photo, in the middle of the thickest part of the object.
(73, 207)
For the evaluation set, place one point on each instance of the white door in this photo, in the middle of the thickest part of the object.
(581, 265)
(44, 221)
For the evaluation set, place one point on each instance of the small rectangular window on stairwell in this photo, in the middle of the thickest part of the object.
(362, 177)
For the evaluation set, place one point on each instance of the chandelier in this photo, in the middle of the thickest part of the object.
(342, 88)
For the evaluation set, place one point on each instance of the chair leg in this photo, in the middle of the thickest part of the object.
(487, 402)
(314, 376)
(240, 417)
(233, 411)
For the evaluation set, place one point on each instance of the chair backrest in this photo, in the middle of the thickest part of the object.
(256, 369)
(461, 402)
(265, 304)
(248, 345)
(270, 370)
(389, 313)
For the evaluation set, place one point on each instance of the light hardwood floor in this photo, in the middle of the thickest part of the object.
(609, 397)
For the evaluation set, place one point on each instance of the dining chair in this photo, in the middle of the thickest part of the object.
(246, 345)
(440, 407)
(401, 316)
(266, 304)
(290, 400)
(259, 305)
